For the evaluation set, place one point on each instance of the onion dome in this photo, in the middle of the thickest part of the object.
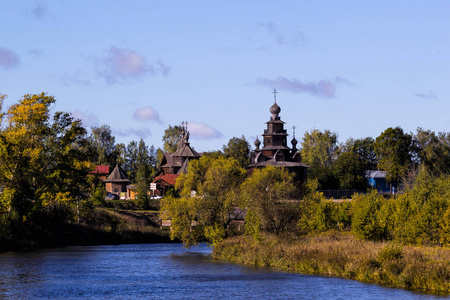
(275, 109)
(257, 143)
(294, 142)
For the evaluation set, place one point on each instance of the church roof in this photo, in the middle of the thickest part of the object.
(117, 175)
(186, 151)
(170, 179)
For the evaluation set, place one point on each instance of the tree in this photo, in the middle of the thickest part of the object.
(364, 148)
(261, 196)
(239, 149)
(103, 145)
(432, 151)
(146, 168)
(319, 151)
(42, 164)
(131, 160)
(349, 170)
(209, 194)
(22, 150)
(171, 138)
(318, 148)
(393, 148)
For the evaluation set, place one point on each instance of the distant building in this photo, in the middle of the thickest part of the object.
(275, 150)
(117, 182)
(174, 164)
(101, 171)
(377, 180)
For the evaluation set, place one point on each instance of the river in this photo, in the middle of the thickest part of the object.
(164, 271)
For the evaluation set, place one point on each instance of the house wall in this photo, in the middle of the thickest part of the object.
(115, 188)
(381, 185)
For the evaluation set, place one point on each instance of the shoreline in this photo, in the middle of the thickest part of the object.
(417, 268)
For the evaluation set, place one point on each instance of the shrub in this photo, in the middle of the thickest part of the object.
(367, 222)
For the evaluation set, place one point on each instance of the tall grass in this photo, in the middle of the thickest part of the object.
(342, 255)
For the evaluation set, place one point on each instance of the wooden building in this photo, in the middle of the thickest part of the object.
(174, 164)
(275, 150)
(117, 182)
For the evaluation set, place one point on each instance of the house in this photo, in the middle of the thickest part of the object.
(377, 180)
(101, 172)
(116, 183)
(275, 150)
(131, 191)
(165, 182)
(174, 164)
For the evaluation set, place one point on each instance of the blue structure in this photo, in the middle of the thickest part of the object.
(377, 180)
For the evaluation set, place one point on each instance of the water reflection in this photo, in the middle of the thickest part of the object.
(164, 271)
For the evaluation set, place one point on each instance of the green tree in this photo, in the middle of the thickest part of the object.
(103, 144)
(209, 194)
(171, 138)
(364, 148)
(433, 151)
(318, 148)
(393, 148)
(319, 151)
(239, 149)
(146, 169)
(263, 194)
(368, 220)
(349, 170)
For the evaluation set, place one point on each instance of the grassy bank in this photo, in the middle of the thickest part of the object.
(342, 255)
(101, 227)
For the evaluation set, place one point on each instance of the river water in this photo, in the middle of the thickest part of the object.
(164, 271)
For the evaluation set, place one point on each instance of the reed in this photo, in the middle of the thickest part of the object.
(338, 254)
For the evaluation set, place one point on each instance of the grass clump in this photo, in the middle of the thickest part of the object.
(342, 255)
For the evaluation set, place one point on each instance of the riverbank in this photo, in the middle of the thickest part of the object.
(342, 255)
(103, 227)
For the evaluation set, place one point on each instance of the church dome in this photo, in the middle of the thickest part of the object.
(275, 109)
(257, 143)
(294, 142)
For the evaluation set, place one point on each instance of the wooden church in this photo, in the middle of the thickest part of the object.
(275, 150)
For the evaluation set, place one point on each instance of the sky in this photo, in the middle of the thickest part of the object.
(352, 67)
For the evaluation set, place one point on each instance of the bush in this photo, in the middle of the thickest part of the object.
(367, 220)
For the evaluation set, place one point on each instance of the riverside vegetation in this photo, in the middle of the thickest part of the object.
(398, 241)
(49, 197)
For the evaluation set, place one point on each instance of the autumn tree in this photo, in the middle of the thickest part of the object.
(42, 163)
(239, 149)
(208, 197)
(393, 149)
(262, 196)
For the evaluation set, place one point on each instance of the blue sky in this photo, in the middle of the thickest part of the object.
(353, 67)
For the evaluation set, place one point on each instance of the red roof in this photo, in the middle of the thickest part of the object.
(101, 170)
(169, 178)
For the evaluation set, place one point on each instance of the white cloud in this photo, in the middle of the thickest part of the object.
(88, 119)
(325, 88)
(147, 113)
(125, 64)
(201, 131)
(8, 58)
(140, 132)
